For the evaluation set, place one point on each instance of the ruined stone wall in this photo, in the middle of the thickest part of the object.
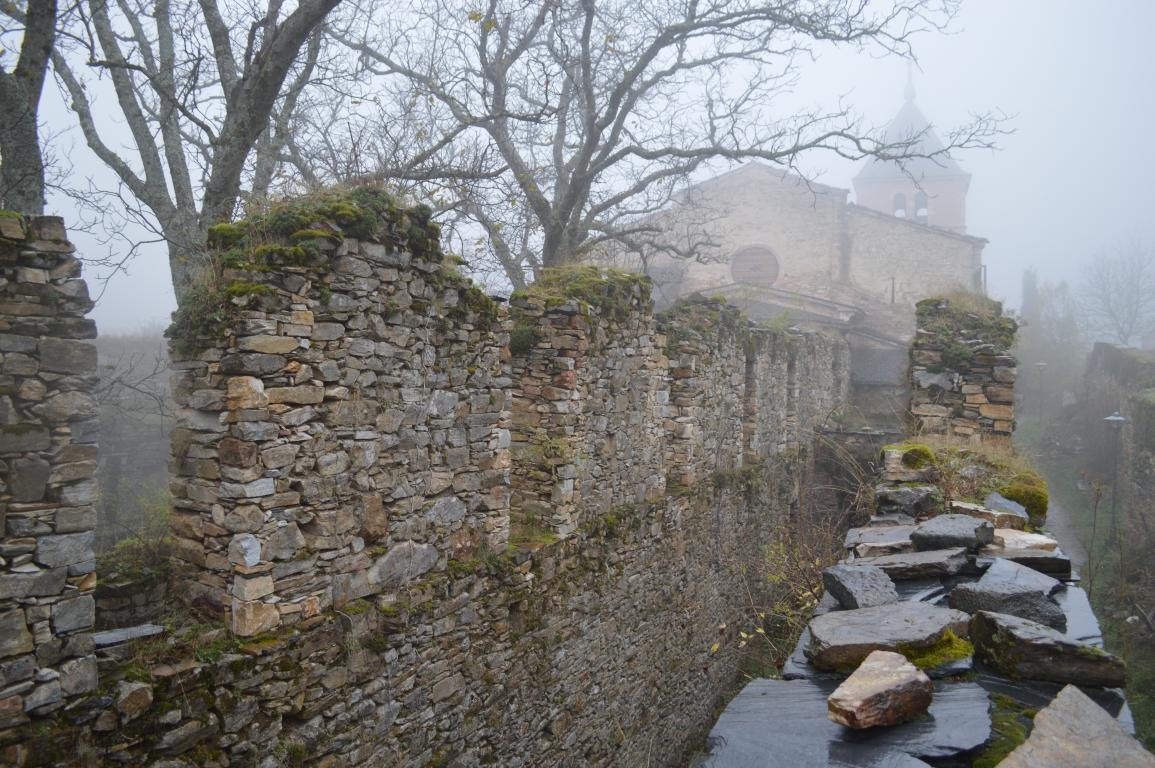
(48, 434)
(349, 437)
(962, 374)
(587, 411)
(348, 451)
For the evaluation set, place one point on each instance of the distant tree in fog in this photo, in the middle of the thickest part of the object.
(1117, 295)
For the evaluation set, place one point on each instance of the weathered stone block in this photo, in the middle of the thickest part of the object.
(302, 395)
(252, 617)
(245, 549)
(14, 635)
(22, 438)
(252, 587)
(65, 549)
(275, 345)
(67, 356)
(28, 478)
(79, 676)
(246, 392)
(75, 614)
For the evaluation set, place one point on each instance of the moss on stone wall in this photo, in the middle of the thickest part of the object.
(965, 325)
(611, 292)
(302, 232)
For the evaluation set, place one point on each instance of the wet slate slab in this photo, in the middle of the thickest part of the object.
(880, 540)
(920, 565)
(1073, 730)
(1028, 650)
(999, 518)
(859, 586)
(775, 723)
(946, 531)
(1008, 587)
(1051, 561)
(842, 639)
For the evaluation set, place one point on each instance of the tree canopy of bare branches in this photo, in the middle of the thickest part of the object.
(561, 124)
(192, 87)
(21, 158)
(1117, 295)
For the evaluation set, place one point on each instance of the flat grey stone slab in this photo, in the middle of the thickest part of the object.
(1000, 518)
(1073, 730)
(884, 540)
(1051, 561)
(1026, 649)
(842, 639)
(920, 565)
(774, 723)
(1014, 589)
(914, 500)
(117, 636)
(894, 518)
(859, 586)
(946, 531)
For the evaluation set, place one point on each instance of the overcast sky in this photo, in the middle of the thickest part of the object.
(1074, 180)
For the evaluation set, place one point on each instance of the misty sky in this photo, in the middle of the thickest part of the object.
(1074, 180)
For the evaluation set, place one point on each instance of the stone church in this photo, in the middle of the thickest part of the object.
(782, 247)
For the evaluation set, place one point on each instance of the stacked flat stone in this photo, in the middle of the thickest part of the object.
(348, 437)
(48, 433)
(978, 399)
(587, 386)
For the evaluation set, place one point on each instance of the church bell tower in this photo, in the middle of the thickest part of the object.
(930, 191)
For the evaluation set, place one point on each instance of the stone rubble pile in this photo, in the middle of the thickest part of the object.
(950, 595)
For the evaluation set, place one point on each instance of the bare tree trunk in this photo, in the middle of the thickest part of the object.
(21, 160)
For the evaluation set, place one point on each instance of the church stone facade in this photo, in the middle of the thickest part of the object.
(777, 245)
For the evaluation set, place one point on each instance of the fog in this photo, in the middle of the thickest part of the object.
(1072, 180)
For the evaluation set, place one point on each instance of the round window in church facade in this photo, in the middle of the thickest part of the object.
(754, 264)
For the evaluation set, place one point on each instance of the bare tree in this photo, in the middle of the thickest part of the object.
(1117, 295)
(196, 85)
(21, 158)
(594, 112)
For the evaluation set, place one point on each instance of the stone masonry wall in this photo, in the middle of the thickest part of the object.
(346, 462)
(48, 433)
(347, 439)
(962, 374)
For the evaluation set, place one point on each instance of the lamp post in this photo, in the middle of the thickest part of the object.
(1115, 421)
(1042, 366)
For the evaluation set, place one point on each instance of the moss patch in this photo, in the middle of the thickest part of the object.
(610, 292)
(1032, 496)
(914, 455)
(1010, 724)
(301, 233)
(963, 323)
(949, 648)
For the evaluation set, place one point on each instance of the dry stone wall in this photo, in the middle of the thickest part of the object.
(962, 374)
(349, 447)
(48, 434)
(348, 438)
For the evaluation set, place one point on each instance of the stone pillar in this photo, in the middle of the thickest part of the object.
(48, 432)
(962, 374)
